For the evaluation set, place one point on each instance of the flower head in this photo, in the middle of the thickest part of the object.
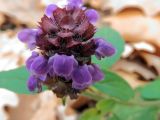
(81, 77)
(32, 83)
(62, 65)
(65, 44)
(104, 49)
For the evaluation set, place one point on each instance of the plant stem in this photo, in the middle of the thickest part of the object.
(96, 95)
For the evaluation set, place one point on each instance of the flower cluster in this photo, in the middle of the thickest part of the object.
(64, 41)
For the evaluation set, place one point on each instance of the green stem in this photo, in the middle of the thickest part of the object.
(96, 95)
(64, 101)
(92, 96)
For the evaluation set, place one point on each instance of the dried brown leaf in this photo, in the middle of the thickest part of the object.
(26, 11)
(135, 27)
(132, 78)
(35, 107)
(149, 7)
(152, 61)
(133, 67)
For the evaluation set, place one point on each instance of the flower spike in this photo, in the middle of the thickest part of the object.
(65, 45)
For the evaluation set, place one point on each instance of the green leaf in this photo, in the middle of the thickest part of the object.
(15, 80)
(114, 117)
(105, 106)
(151, 91)
(123, 112)
(115, 86)
(90, 114)
(117, 41)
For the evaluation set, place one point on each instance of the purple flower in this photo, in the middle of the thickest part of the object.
(50, 67)
(96, 73)
(32, 83)
(92, 15)
(50, 9)
(31, 59)
(104, 49)
(62, 65)
(65, 43)
(42, 77)
(39, 66)
(74, 3)
(28, 36)
(81, 77)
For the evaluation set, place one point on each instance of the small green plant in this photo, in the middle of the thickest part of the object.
(115, 99)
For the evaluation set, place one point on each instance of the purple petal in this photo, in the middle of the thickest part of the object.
(39, 66)
(74, 3)
(81, 77)
(50, 66)
(96, 73)
(50, 9)
(63, 65)
(31, 59)
(32, 83)
(92, 15)
(31, 45)
(104, 49)
(39, 31)
(42, 77)
(28, 36)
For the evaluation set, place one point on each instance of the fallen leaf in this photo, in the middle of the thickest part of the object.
(152, 60)
(133, 67)
(26, 11)
(132, 78)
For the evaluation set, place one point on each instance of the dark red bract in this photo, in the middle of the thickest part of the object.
(67, 32)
